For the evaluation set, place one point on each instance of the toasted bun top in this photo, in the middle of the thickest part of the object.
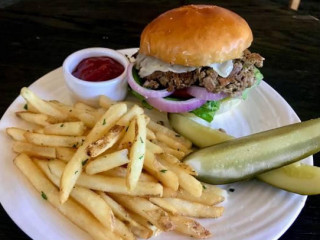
(196, 35)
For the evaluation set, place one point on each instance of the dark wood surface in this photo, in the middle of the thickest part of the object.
(36, 36)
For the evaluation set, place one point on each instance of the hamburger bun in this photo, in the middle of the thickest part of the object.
(196, 35)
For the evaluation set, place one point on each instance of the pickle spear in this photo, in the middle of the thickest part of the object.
(198, 134)
(246, 157)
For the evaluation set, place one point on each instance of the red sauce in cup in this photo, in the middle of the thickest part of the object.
(97, 69)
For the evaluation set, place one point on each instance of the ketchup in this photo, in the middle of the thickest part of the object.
(96, 69)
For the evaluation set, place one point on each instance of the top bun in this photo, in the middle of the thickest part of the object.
(196, 35)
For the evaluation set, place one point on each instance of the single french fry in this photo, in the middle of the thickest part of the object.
(178, 154)
(172, 143)
(65, 129)
(208, 197)
(64, 153)
(148, 210)
(101, 145)
(124, 216)
(131, 114)
(122, 172)
(187, 208)
(189, 227)
(154, 231)
(72, 210)
(173, 160)
(87, 198)
(105, 102)
(122, 230)
(108, 184)
(74, 167)
(107, 162)
(137, 153)
(54, 140)
(36, 118)
(41, 105)
(128, 138)
(155, 127)
(34, 150)
(186, 181)
(153, 147)
(162, 173)
(150, 134)
(16, 133)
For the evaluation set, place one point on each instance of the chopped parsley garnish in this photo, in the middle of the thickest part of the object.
(104, 122)
(62, 125)
(25, 106)
(141, 140)
(76, 172)
(204, 187)
(231, 189)
(44, 196)
(127, 129)
(84, 162)
(141, 157)
(163, 170)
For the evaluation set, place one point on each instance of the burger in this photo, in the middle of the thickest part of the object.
(195, 59)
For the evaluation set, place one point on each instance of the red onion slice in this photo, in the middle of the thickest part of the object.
(202, 93)
(166, 105)
(145, 92)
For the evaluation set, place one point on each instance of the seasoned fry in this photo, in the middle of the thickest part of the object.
(175, 161)
(209, 195)
(72, 210)
(41, 105)
(172, 143)
(107, 162)
(172, 134)
(34, 150)
(122, 172)
(137, 153)
(65, 129)
(187, 208)
(36, 118)
(154, 231)
(153, 147)
(124, 216)
(166, 149)
(148, 210)
(64, 153)
(87, 198)
(150, 134)
(162, 173)
(128, 138)
(16, 134)
(54, 140)
(101, 145)
(186, 181)
(74, 166)
(109, 184)
(189, 227)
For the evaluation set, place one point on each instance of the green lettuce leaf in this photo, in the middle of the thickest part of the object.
(258, 76)
(207, 110)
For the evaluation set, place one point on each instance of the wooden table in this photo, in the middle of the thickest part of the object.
(37, 35)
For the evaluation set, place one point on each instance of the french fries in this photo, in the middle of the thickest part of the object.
(107, 162)
(137, 153)
(119, 173)
(70, 208)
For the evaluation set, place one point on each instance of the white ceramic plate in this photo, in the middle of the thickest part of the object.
(253, 211)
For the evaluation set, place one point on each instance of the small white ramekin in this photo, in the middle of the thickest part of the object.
(89, 92)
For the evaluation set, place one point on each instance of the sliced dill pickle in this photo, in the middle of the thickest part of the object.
(297, 178)
(246, 157)
(198, 134)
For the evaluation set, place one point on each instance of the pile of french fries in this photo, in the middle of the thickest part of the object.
(111, 170)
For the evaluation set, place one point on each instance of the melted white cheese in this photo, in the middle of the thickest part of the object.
(148, 65)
